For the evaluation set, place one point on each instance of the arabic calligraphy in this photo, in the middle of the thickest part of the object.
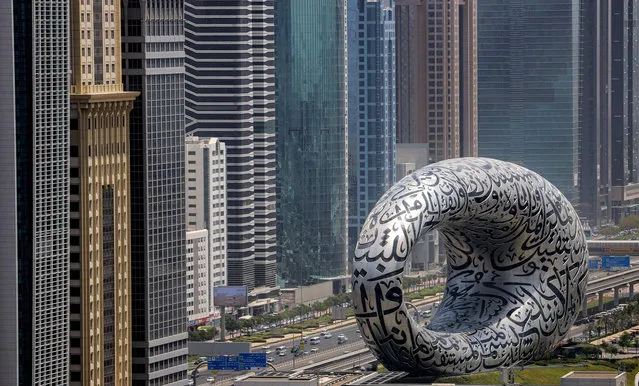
(517, 268)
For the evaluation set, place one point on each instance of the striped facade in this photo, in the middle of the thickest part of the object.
(230, 96)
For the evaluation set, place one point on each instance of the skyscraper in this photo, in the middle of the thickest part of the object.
(153, 64)
(609, 115)
(311, 139)
(528, 56)
(9, 348)
(35, 191)
(230, 95)
(100, 224)
(371, 112)
(437, 76)
(206, 202)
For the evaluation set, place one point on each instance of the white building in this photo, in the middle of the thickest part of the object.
(197, 275)
(206, 203)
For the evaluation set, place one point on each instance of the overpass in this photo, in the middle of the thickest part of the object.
(613, 247)
(616, 282)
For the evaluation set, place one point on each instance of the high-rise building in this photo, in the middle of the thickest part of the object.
(206, 202)
(311, 139)
(528, 56)
(198, 285)
(9, 317)
(609, 115)
(153, 64)
(100, 249)
(371, 107)
(437, 76)
(35, 192)
(230, 96)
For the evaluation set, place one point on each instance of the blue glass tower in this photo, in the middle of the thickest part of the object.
(371, 107)
(528, 62)
(311, 139)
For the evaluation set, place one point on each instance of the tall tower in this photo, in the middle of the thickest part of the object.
(153, 64)
(528, 57)
(371, 108)
(9, 317)
(100, 200)
(437, 76)
(35, 192)
(230, 95)
(311, 139)
(206, 200)
(608, 113)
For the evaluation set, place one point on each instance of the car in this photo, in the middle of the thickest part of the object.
(267, 352)
(315, 340)
(304, 339)
(327, 336)
(282, 353)
(210, 379)
(305, 352)
(314, 349)
(270, 359)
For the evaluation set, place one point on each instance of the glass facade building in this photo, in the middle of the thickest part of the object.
(528, 80)
(311, 139)
(153, 64)
(34, 213)
(371, 113)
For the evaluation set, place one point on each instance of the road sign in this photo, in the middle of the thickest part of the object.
(243, 361)
(615, 262)
(593, 263)
(252, 360)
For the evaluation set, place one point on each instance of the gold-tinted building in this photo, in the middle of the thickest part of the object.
(437, 76)
(100, 344)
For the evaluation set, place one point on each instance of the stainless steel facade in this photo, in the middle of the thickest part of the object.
(153, 64)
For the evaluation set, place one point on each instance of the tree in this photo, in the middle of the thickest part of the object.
(231, 323)
(625, 339)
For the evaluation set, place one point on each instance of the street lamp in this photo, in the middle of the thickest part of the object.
(194, 373)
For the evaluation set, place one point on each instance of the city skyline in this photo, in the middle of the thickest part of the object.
(154, 151)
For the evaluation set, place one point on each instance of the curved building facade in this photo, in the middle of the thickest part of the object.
(311, 139)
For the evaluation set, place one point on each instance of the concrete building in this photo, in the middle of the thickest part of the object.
(371, 108)
(206, 199)
(608, 117)
(311, 142)
(153, 64)
(230, 95)
(528, 59)
(198, 288)
(594, 378)
(34, 208)
(437, 76)
(100, 245)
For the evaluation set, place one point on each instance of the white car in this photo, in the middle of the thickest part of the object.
(327, 336)
(282, 353)
(314, 349)
(210, 379)
(268, 352)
